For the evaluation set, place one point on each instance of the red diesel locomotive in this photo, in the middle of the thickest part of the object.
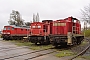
(66, 32)
(59, 32)
(15, 32)
(39, 32)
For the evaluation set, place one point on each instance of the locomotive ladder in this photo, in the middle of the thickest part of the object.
(74, 29)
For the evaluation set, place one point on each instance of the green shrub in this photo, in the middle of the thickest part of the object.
(87, 33)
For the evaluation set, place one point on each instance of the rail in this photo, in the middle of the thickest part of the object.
(82, 52)
(29, 53)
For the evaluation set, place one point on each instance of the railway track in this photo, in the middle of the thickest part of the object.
(83, 51)
(8, 52)
(10, 47)
(40, 55)
(33, 54)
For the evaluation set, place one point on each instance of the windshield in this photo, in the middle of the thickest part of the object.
(4, 28)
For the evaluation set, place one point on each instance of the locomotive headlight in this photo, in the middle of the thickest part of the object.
(8, 32)
(4, 33)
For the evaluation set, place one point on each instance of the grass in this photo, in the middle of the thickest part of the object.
(85, 57)
(0, 35)
(87, 33)
(64, 53)
(31, 45)
(84, 43)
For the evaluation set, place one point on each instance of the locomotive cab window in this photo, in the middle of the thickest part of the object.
(4, 28)
(74, 20)
(12, 28)
(8, 28)
(39, 26)
(33, 26)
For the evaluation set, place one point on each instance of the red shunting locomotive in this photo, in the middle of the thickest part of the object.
(59, 32)
(40, 32)
(66, 32)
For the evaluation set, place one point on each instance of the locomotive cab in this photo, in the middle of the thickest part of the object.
(7, 32)
(39, 33)
(36, 29)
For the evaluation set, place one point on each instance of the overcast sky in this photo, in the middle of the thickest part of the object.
(47, 9)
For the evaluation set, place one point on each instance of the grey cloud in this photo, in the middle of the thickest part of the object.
(47, 9)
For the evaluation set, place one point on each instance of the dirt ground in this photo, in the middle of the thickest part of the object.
(9, 51)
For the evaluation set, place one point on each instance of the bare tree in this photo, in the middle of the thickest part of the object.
(86, 16)
(34, 18)
(15, 18)
(37, 17)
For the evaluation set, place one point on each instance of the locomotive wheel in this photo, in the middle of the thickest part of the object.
(74, 41)
(35, 43)
(54, 43)
(79, 41)
(56, 46)
(41, 43)
(3, 39)
(38, 43)
(47, 42)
